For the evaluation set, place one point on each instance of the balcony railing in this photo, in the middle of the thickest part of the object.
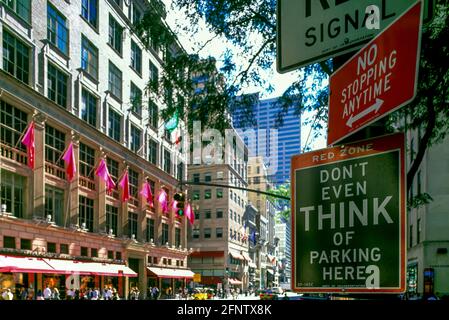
(87, 183)
(13, 154)
(54, 170)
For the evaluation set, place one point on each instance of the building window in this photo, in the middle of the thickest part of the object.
(164, 233)
(54, 204)
(136, 100)
(154, 76)
(219, 193)
(136, 14)
(133, 182)
(86, 161)
(207, 214)
(419, 230)
(150, 230)
(9, 242)
(51, 247)
(207, 194)
(63, 248)
(118, 255)
(114, 125)
(111, 219)
(207, 177)
(180, 171)
(86, 212)
(167, 161)
(112, 168)
(54, 146)
(196, 233)
(84, 251)
(196, 177)
(16, 57)
(89, 58)
(135, 138)
(220, 175)
(89, 11)
(57, 85)
(132, 224)
(115, 35)
(110, 254)
(410, 235)
(167, 135)
(21, 8)
(115, 81)
(13, 122)
(94, 253)
(196, 195)
(136, 57)
(89, 108)
(13, 192)
(197, 215)
(219, 213)
(57, 32)
(177, 237)
(219, 232)
(25, 244)
(207, 233)
(152, 153)
(153, 115)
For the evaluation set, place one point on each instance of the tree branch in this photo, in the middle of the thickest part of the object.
(251, 62)
(206, 43)
(263, 18)
(422, 144)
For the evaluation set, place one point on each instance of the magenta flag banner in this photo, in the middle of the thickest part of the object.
(69, 158)
(147, 194)
(124, 184)
(189, 213)
(163, 200)
(103, 172)
(28, 141)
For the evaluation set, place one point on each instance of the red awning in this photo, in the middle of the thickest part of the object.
(246, 256)
(58, 266)
(236, 255)
(171, 273)
(234, 281)
(24, 264)
(96, 268)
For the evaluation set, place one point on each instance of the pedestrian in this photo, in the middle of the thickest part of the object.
(7, 295)
(39, 295)
(23, 293)
(55, 295)
(47, 293)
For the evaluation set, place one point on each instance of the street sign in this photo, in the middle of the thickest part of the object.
(379, 79)
(309, 31)
(348, 218)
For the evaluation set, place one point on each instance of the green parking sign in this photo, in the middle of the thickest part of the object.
(348, 218)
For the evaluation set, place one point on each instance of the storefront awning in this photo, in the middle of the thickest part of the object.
(234, 281)
(24, 264)
(252, 265)
(246, 256)
(96, 268)
(171, 273)
(270, 272)
(58, 266)
(236, 255)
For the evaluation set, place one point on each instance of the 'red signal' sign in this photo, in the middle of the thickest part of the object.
(379, 79)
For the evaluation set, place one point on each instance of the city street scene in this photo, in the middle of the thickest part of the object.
(252, 150)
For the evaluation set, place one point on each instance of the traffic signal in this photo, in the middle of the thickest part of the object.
(180, 199)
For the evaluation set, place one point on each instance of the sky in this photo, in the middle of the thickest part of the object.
(218, 46)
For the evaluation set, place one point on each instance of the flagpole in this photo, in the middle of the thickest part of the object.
(22, 134)
(62, 153)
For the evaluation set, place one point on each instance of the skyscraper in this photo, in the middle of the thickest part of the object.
(277, 144)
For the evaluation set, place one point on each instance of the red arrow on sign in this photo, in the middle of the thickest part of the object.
(378, 80)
